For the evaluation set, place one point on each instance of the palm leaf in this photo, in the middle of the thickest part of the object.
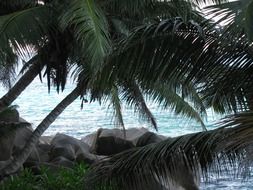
(10, 6)
(18, 2)
(154, 9)
(116, 103)
(249, 21)
(177, 159)
(23, 29)
(90, 30)
(207, 2)
(8, 63)
(134, 7)
(233, 17)
(133, 96)
(135, 13)
(174, 51)
(169, 98)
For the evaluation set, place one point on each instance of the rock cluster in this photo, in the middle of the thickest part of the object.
(64, 151)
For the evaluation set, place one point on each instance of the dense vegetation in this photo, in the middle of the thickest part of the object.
(62, 179)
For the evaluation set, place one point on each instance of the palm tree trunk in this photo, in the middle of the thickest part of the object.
(22, 83)
(49, 119)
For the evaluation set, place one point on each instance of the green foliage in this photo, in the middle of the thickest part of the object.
(95, 28)
(234, 17)
(90, 29)
(178, 159)
(23, 28)
(7, 111)
(206, 71)
(64, 179)
(25, 181)
(249, 21)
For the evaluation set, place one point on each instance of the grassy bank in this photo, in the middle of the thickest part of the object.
(63, 179)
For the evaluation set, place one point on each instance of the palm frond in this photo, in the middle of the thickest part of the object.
(187, 10)
(55, 53)
(8, 63)
(134, 13)
(10, 6)
(208, 2)
(173, 161)
(119, 27)
(18, 2)
(90, 30)
(116, 103)
(233, 17)
(134, 7)
(151, 8)
(133, 96)
(169, 98)
(172, 50)
(242, 119)
(249, 21)
(24, 29)
(156, 48)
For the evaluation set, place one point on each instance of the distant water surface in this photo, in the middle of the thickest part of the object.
(35, 103)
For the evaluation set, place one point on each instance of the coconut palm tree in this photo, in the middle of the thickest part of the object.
(165, 43)
(120, 74)
(14, 18)
(95, 27)
(236, 19)
(23, 27)
(224, 81)
(210, 68)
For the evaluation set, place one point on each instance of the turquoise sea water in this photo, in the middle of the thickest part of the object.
(35, 103)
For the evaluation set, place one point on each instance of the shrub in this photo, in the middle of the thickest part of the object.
(64, 179)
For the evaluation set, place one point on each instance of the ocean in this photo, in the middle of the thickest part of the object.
(35, 103)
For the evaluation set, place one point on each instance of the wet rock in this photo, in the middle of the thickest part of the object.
(148, 138)
(90, 140)
(6, 147)
(72, 149)
(133, 134)
(21, 137)
(108, 145)
(22, 120)
(87, 157)
(4, 163)
(45, 139)
(13, 143)
(61, 140)
(111, 141)
(66, 151)
(40, 153)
